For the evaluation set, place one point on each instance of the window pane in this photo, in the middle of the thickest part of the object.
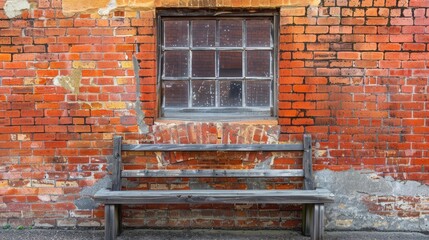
(258, 93)
(258, 33)
(231, 33)
(176, 93)
(203, 63)
(203, 93)
(231, 93)
(176, 33)
(230, 64)
(176, 64)
(258, 63)
(203, 33)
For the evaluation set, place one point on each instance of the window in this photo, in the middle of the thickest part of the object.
(217, 65)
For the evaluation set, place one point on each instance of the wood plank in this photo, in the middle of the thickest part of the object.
(213, 147)
(214, 196)
(110, 231)
(318, 222)
(307, 219)
(307, 164)
(117, 163)
(250, 173)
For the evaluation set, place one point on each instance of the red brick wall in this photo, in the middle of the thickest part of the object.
(353, 74)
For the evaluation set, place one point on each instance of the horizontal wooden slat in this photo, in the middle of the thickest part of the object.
(214, 196)
(253, 173)
(213, 147)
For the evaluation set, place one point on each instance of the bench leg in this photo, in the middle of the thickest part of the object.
(112, 221)
(318, 225)
(307, 217)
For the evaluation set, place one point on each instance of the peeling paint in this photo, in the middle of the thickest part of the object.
(71, 82)
(14, 8)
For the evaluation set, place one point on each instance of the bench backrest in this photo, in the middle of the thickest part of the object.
(305, 147)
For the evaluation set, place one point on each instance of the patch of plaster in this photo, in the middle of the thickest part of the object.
(104, 7)
(105, 182)
(197, 184)
(160, 159)
(13, 8)
(256, 183)
(265, 164)
(143, 128)
(273, 134)
(351, 213)
(111, 6)
(86, 201)
(70, 82)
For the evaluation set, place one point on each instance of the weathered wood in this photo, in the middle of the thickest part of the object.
(317, 228)
(313, 199)
(116, 214)
(307, 164)
(248, 173)
(214, 196)
(212, 147)
(111, 222)
(307, 219)
(118, 208)
(117, 163)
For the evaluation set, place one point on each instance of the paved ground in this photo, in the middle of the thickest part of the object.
(40, 234)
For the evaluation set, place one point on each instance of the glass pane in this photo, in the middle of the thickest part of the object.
(176, 93)
(258, 33)
(258, 63)
(203, 63)
(231, 93)
(176, 64)
(258, 93)
(203, 33)
(230, 64)
(231, 33)
(176, 33)
(203, 93)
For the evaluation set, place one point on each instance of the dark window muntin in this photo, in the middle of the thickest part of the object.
(218, 113)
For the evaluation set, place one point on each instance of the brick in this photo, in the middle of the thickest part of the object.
(402, 38)
(349, 55)
(5, 57)
(389, 47)
(419, 3)
(292, 11)
(316, 29)
(328, 21)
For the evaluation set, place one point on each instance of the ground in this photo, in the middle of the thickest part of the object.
(39, 234)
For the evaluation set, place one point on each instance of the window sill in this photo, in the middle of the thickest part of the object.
(265, 121)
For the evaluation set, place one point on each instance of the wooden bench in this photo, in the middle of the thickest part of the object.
(313, 199)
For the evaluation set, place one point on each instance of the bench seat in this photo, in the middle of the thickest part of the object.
(215, 196)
